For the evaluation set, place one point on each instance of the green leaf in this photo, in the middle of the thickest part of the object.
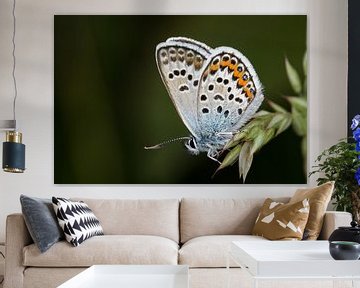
(253, 133)
(276, 107)
(245, 160)
(299, 115)
(258, 142)
(261, 114)
(284, 125)
(269, 134)
(293, 77)
(278, 118)
(235, 140)
(230, 158)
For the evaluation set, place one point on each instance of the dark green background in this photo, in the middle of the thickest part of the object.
(110, 101)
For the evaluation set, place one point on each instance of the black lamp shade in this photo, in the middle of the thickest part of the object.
(13, 157)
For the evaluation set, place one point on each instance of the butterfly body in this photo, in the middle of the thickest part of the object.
(215, 91)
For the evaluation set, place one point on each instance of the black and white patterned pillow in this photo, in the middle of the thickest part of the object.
(77, 220)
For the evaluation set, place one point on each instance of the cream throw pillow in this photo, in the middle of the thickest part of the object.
(319, 198)
(279, 221)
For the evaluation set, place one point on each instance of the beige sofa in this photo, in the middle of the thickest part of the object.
(194, 232)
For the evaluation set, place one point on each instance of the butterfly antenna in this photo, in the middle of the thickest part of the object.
(162, 144)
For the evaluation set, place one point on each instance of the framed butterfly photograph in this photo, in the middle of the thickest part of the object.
(180, 99)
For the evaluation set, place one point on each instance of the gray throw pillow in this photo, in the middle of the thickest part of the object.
(41, 221)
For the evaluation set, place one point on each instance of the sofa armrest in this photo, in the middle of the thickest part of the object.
(17, 237)
(333, 220)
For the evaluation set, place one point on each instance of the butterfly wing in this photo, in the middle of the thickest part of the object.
(180, 62)
(229, 92)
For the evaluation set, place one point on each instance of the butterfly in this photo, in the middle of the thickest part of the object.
(215, 91)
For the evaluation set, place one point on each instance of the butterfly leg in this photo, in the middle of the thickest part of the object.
(212, 154)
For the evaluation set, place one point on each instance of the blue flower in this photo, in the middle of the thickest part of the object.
(355, 122)
(357, 147)
(357, 176)
(356, 134)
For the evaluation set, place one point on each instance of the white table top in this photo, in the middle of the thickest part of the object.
(131, 276)
(291, 259)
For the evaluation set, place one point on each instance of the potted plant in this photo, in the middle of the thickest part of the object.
(341, 163)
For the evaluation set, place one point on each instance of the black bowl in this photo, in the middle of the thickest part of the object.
(344, 250)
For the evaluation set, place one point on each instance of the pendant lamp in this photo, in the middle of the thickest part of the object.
(13, 160)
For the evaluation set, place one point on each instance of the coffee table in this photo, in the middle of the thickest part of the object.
(131, 276)
(293, 260)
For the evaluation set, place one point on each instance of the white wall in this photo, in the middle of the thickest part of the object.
(327, 40)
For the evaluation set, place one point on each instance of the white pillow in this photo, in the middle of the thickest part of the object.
(76, 220)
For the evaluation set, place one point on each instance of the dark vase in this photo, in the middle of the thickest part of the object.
(344, 250)
(351, 233)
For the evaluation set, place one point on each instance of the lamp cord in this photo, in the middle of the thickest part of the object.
(14, 61)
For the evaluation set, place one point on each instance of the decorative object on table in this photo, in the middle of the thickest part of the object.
(341, 163)
(279, 221)
(77, 220)
(41, 221)
(319, 198)
(13, 149)
(344, 233)
(344, 250)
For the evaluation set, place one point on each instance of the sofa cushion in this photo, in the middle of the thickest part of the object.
(41, 221)
(279, 221)
(77, 220)
(158, 217)
(319, 198)
(211, 251)
(200, 217)
(107, 249)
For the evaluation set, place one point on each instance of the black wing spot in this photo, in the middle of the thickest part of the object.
(216, 61)
(190, 77)
(176, 72)
(245, 77)
(238, 99)
(203, 97)
(226, 81)
(183, 88)
(240, 111)
(196, 83)
(252, 90)
(226, 113)
(183, 72)
(226, 58)
(181, 51)
(211, 87)
(240, 68)
(219, 97)
(219, 79)
(229, 89)
(171, 75)
(231, 97)
(205, 110)
(219, 109)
